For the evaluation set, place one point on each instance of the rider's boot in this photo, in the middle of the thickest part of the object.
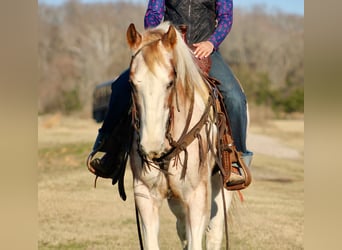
(236, 177)
(105, 167)
(102, 167)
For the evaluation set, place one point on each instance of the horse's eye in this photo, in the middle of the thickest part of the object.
(169, 85)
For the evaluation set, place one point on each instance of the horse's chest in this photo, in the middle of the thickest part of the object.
(155, 182)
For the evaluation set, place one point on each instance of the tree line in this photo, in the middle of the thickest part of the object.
(82, 45)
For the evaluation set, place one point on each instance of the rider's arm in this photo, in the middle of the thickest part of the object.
(154, 13)
(224, 16)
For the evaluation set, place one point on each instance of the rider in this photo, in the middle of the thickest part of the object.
(208, 23)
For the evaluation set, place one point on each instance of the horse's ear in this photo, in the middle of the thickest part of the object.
(133, 37)
(169, 39)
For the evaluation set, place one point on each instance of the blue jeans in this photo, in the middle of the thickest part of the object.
(234, 100)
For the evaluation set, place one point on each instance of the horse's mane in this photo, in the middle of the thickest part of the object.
(188, 73)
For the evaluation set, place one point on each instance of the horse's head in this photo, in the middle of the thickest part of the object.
(152, 75)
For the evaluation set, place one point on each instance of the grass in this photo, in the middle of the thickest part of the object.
(74, 215)
(272, 217)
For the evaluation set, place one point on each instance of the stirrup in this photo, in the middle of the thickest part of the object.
(242, 170)
(89, 159)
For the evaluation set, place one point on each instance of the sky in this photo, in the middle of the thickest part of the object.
(287, 6)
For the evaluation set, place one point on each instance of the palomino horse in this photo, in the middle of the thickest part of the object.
(172, 155)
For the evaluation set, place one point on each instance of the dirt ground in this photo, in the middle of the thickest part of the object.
(74, 215)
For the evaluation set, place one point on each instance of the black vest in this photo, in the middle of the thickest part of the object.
(198, 15)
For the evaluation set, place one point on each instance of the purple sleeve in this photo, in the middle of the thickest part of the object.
(154, 13)
(224, 15)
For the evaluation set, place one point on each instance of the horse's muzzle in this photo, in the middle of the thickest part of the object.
(152, 154)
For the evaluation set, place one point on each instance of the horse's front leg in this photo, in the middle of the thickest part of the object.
(198, 215)
(215, 229)
(148, 207)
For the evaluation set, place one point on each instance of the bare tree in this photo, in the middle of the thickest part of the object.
(81, 45)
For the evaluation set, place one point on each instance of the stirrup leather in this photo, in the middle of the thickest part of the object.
(230, 160)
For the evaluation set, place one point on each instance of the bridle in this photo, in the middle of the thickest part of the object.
(187, 136)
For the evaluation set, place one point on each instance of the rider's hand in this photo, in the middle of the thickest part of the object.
(203, 49)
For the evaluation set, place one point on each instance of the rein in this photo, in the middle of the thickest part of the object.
(186, 138)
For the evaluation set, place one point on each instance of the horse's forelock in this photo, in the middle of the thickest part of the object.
(152, 53)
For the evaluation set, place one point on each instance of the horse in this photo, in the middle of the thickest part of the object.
(173, 151)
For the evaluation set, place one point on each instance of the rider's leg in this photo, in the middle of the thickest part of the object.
(235, 102)
(118, 105)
